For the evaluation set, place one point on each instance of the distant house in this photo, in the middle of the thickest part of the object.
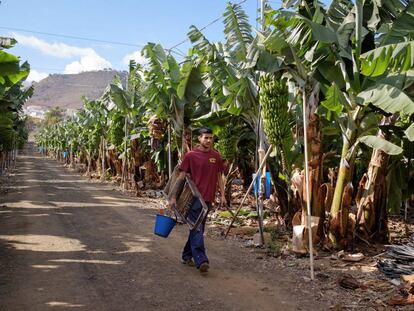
(35, 111)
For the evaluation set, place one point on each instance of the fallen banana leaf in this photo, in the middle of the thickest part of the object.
(399, 261)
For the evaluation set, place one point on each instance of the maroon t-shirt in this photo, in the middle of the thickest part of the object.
(203, 166)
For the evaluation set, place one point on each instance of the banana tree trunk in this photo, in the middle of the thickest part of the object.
(71, 158)
(228, 180)
(14, 153)
(89, 157)
(103, 158)
(99, 159)
(5, 161)
(281, 189)
(344, 177)
(372, 213)
(372, 197)
(136, 161)
(1, 163)
(315, 155)
(315, 163)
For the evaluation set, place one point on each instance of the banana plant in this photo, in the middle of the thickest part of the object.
(71, 133)
(162, 79)
(229, 80)
(126, 105)
(96, 111)
(357, 69)
(12, 98)
(284, 51)
(174, 94)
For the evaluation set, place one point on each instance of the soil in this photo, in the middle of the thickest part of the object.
(67, 243)
(71, 243)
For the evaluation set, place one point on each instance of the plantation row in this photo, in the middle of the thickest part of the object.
(350, 66)
(13, 95)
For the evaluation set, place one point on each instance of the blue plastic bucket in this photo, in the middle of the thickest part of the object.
(163, 225)
(256, 185)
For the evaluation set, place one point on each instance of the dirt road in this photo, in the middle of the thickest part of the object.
(70, 244)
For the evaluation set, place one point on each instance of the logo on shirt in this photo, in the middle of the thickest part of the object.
(212, 160)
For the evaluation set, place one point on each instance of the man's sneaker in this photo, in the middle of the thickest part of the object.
(204, 267)
(188, 262)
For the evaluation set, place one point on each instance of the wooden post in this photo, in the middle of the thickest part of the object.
(262, 180)
(103, 159)
(124, 162)
(307, 181)
(249, 189)
(169, 152)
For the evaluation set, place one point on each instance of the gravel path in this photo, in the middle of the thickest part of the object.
(70, 244)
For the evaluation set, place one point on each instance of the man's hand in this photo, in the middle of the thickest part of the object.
(172, 202)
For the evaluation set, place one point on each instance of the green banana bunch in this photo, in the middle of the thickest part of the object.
(273, 96)
(227, 144)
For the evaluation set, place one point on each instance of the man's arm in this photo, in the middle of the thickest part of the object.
(220, 179)
(176, 188)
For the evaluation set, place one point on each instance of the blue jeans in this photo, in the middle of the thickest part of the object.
(194, 248)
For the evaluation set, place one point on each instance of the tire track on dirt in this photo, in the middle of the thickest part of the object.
(80, 245)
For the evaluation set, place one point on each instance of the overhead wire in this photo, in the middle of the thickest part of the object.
(71, 37)
(201, 29)
(173, 49)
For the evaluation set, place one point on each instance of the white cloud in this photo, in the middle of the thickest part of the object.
(89, 59)
(88, 63)
(135, 56)
(56, 49)
(36, 76)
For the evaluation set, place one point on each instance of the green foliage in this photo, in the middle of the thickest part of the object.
(381, 144)
(13, 95)
(53, 116)
(389, 98)
(225, 214)
(237, 30)
(409, 132)
(351, 63)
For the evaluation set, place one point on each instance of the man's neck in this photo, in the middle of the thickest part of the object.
(204, 149)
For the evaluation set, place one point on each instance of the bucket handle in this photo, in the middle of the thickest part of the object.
(171, 212)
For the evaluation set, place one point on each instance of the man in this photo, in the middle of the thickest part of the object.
(205, 167)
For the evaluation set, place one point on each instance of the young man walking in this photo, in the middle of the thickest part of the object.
(205, 167)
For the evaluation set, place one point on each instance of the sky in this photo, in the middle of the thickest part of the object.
(133, 22)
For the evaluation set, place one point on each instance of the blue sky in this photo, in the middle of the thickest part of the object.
(135, 22)
(129, 21)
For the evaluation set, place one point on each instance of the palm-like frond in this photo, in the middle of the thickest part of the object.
(402, 28)
(237, 30)
(337, 12)
(199, 41)
(392, 57)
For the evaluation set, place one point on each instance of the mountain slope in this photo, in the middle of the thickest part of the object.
(65, 90)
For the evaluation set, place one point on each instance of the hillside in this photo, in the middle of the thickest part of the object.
(65, 90)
